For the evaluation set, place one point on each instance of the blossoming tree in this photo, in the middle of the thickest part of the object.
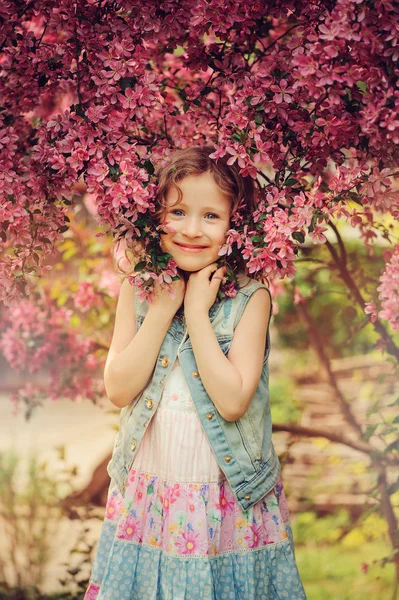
(94, 94)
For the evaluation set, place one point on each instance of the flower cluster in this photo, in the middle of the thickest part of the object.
(37, 339)
(301, 96)
(389, 291)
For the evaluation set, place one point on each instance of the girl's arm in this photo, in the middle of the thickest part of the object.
(132, 356)
(231, 380)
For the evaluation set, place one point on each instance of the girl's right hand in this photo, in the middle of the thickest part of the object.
(162, 299)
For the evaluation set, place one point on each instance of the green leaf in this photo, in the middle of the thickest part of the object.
(149, 167)
(362, 85)
(298, 236)
(140, 266)
(258, 119)
(290, 182)
(393, 446)
(370, 430)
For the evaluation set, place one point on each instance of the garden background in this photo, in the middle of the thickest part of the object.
(303, 97)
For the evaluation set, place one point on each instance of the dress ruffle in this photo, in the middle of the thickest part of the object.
(143, 573)
(190, 519)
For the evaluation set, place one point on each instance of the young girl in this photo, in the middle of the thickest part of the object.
(196, 507)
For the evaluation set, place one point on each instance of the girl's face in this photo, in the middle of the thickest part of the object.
(201, 219)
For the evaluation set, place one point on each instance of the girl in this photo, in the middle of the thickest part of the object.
(196, 506)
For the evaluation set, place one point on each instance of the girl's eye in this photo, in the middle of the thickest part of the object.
(174, 211)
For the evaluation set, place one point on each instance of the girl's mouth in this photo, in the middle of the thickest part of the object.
(190, 249)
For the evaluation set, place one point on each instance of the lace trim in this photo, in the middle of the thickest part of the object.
(272, 545)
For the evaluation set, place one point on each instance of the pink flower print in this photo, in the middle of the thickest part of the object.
(128, 529)
(92, 592)
(189, 543)
(174, 397)
(253, 536)
(174, 492)
(170, 496)
(226, 505)
(114, 504)
(132, 476)
(139, 490)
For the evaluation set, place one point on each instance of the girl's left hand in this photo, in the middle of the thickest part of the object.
(200, 291)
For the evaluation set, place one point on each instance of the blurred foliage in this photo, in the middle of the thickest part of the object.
(334, 572)
(340, 559)
(30, 513)
(33, 593)
(341, 322)
(283, 400)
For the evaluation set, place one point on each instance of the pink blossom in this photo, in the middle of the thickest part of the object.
(128, 529)
(283, 92)
(114, 505)
(389, 289)
(190, 543)
(86, 298)
(253, 536)
(226, 504)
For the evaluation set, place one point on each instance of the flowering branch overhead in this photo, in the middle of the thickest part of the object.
(302, 96)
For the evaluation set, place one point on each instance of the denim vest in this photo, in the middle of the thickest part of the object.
(243, 449)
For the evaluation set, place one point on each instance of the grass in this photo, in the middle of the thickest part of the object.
(333, 572)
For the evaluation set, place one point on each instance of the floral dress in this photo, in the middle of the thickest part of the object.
(179, 533)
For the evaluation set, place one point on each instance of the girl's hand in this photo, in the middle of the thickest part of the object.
(200, 291)
(162, 299)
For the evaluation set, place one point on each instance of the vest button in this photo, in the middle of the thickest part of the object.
(247, 496)
(133, 445)
(165, 361)
(227, 459)
(149, 403)
(196, 374)
(209, 416)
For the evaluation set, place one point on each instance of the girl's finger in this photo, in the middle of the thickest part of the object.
(222, 271)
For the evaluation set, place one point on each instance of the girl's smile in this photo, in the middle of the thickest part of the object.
(189, 247)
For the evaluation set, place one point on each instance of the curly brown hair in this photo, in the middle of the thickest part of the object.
(195, 160)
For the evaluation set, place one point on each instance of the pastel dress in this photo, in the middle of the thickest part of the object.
(179, 533)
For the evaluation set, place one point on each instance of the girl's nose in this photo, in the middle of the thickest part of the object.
(192, 229)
